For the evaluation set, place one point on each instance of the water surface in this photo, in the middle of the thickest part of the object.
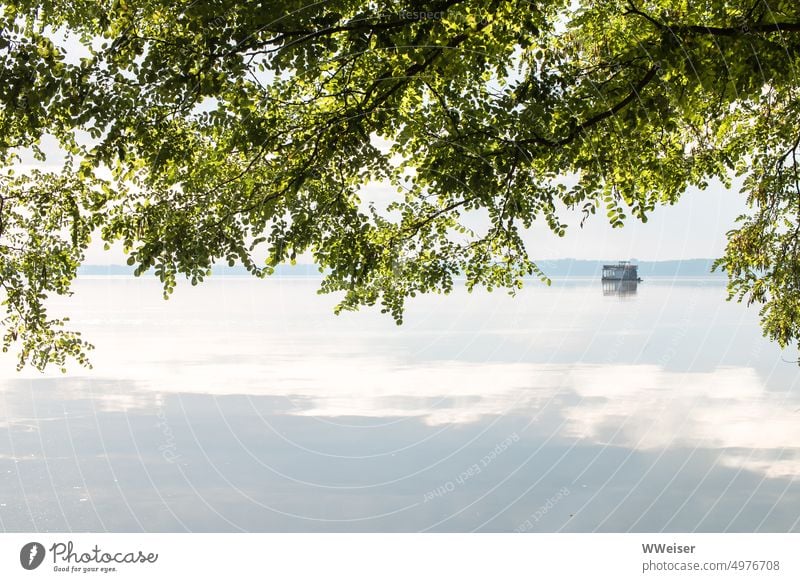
(246, 405)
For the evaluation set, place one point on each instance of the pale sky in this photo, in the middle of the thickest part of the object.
(695, 227)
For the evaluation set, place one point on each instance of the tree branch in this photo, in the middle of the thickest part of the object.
(595, 119)
(745, 28)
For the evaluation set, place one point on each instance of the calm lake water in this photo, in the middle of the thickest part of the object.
(247, 405)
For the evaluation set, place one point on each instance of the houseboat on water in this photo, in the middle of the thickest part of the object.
(622, 271)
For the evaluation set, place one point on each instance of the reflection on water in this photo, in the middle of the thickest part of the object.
(621, 288)
(245, 405)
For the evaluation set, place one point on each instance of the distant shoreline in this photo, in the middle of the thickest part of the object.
(552, 268)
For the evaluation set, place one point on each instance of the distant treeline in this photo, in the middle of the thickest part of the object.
(552, 268)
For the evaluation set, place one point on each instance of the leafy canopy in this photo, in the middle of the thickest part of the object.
(199, 132)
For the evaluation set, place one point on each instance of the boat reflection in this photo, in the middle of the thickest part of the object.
(619, 288)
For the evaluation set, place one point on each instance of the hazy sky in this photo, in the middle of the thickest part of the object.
(695, 227)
